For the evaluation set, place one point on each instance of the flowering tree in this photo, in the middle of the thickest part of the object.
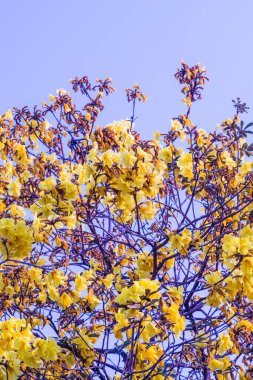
(123, 258)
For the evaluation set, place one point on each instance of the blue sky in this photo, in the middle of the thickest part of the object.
(45, 43)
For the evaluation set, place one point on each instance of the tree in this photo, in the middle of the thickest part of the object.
(123, 258)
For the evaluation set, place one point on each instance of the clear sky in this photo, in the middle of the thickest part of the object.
(45, 43)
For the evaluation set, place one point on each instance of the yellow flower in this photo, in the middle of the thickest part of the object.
(157, 135)
(185, 165)
(8, 115)
(149, 330)
(165, 154)
(21, 154)
(30, 359)
(225, 344)
(70, 190)
(88, 116)
(53, 293)
(47, 349)
(69, 359)
(92, 300)
(48, 184)
(247, 266)
(230, 244)
(176, 125)
(14, 189)
(171, 313)
(245, 168)
(122, 322)
(213, 278)
(71, 221)
(66, 108)
(17, 211)
(181, 242)
(128, 159)
(110, 157)
(215, 299)
(139, 291)
(225, 156)
(147, 211)
(56, 278)
(13, 366)
(219, 364)
(107, 281)
(145, 265)
(245, 324)
(65, 300)
(80, 283)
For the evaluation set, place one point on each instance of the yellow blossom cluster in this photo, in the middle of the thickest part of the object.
(21, 349)
(15, 239)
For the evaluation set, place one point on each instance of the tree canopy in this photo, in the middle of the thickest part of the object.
(125, 258)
